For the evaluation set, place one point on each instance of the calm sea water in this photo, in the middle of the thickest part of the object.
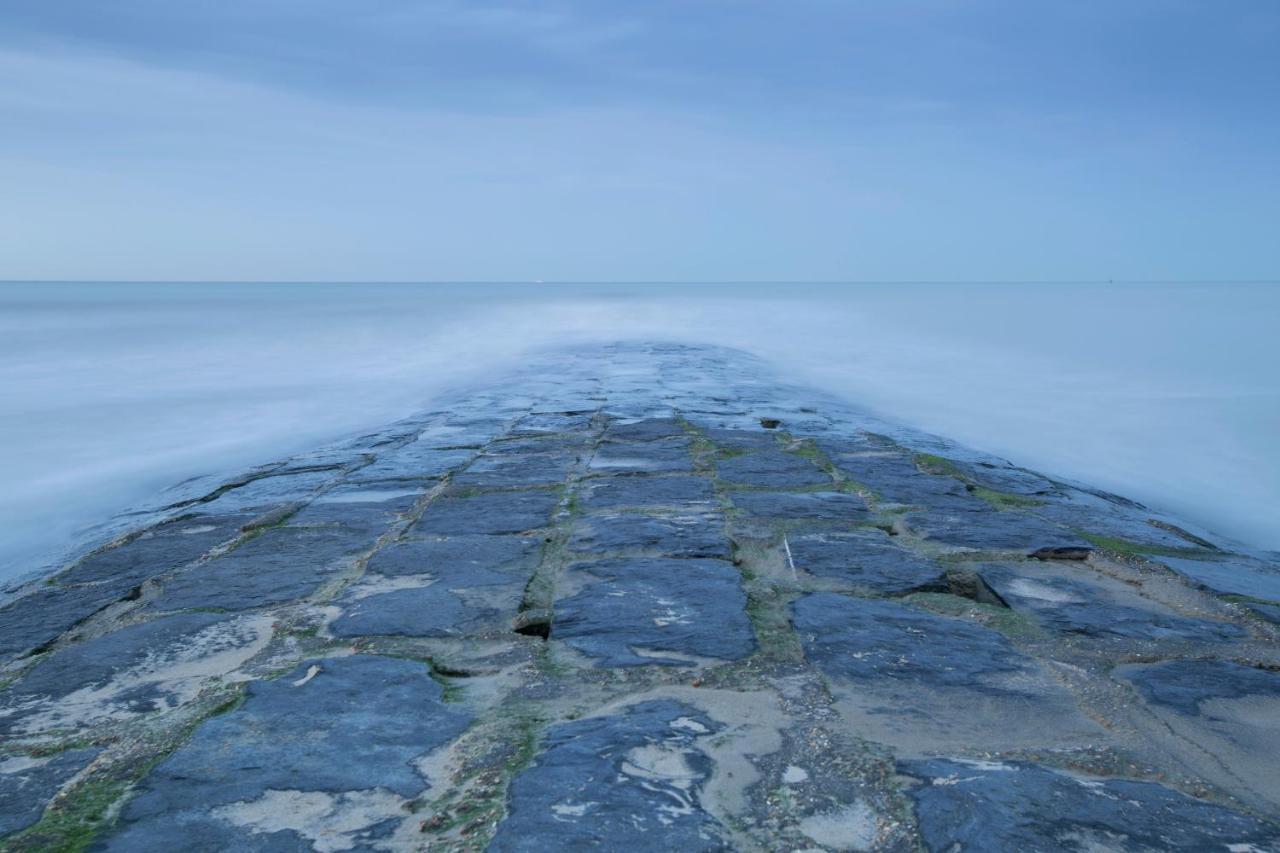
(109, 392)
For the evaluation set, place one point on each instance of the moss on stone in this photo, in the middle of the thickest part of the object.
(1004, 501)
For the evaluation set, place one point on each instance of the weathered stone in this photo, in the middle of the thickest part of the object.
(1184, 685)
(652, 457)
(991, 530)
(552, 422)
(771, 468)
(896, 479)
(267, 490)
(676, 491)
(443, 556)
(627, 781)
(1073, 607)
(647, 429)
(151, 666)
(510, 470)
(454, 599)
(495, 512)
(28, 784)
(985, 805)
(863, 640)
(825, 506)
(39, 618)
(670, 536)
(867, 558)
(282, 564)
(368, 507)
(417, 461)
(1230, 576)
(684, 608)
(349, 728)
(159, 549)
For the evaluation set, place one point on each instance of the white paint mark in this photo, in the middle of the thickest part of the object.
(790, 562)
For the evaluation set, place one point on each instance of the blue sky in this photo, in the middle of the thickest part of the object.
(701, 139)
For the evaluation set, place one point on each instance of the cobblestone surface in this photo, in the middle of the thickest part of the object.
(645, 597)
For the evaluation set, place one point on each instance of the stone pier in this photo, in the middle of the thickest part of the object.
(644, 597)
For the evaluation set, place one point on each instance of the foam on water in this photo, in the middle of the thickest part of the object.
(111, 392)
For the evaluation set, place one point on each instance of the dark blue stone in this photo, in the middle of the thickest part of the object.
(493, 512)
(867, 558)
(639, 491)
(357, 725)
(1183, 684)
(25, 793)
(669, 536)
(1074, 607)
(824, 506)
(963, 805)
(689, 607)
(594, 786)
(865, 639)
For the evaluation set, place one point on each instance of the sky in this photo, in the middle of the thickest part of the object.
(666, 140)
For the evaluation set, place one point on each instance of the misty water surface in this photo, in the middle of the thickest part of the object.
(111, 392)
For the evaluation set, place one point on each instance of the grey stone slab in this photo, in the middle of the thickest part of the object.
(1100, 517)
(1184, 684)
(771, 468)
(983, 805)
(552, 422)
(372, 507)
(646, 429)
(494, 513)
(517, 469)
(93, 664)
(28, 784)
(700, 535)
(1010, 479)
(37, 619)
(648, 492)
(352, 727)
(896, 479)
(1230, 576)
(416, 461)
(683, 607)
(864, 640)
(822, 506)
(867, 558)
(992, 530)
(267, 491)
(159, 549)
(444, 557)
(437, 610)
(1073, 607)
(665, 457)
(282, 564)
(628, 781)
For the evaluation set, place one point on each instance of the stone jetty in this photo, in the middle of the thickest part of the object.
(644, 597)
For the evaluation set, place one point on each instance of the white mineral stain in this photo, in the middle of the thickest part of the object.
(329, 821)
(795, 775)
(852, 827)
(179, 671)
(1027, 588)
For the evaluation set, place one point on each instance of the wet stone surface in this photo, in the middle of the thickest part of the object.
(330, 727)
(629, 780)
(995, 806)
(630, 612)
(643, 597)
(1075, 607)
(866, 558)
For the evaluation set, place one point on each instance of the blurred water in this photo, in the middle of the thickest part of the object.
(110, 392)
